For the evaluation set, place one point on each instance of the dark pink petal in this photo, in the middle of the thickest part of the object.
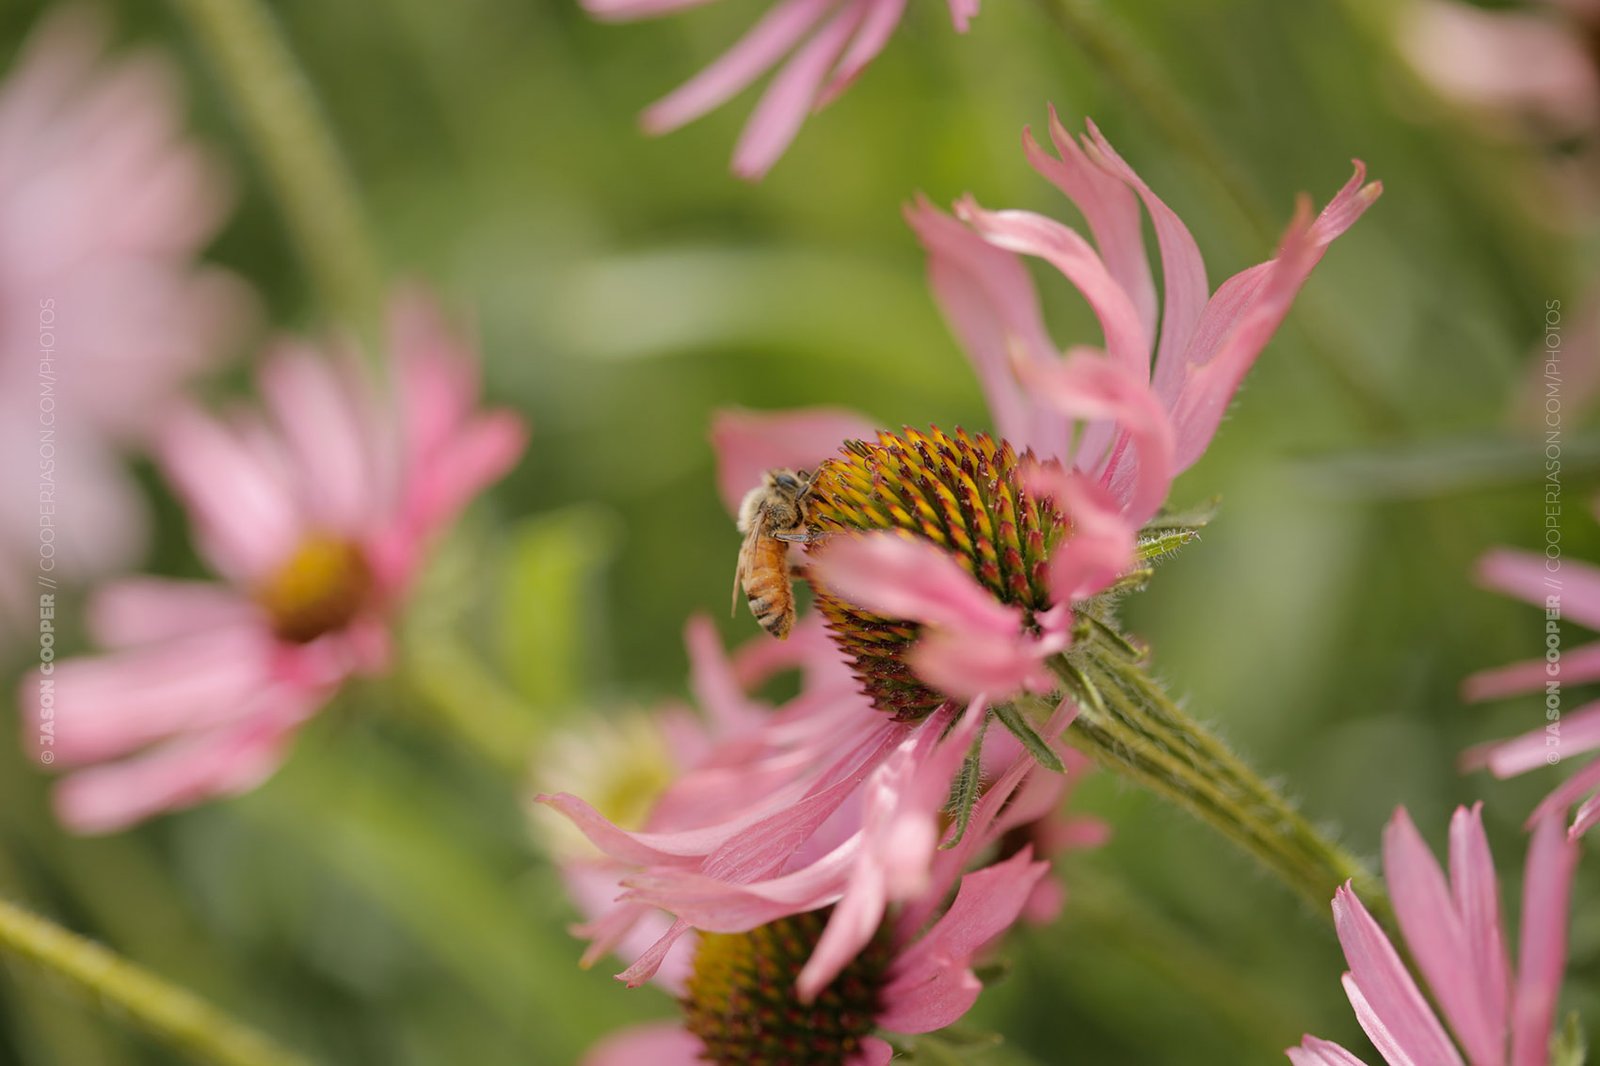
(1567, 793)
(874, 1052)
(1585, 819)
(931, 984)
(1027, 233)
(1477, 901)
(1387, 1002)
(656, 1043)
(1547, 893)
(647, 965)
(749, 443)
(1088, 385)
(1183, 272)
(911, 578)
(966, 664)
(1315, 1052)
(1110, 209)
(1246, 311)
(793, 94)
(778, 32)
(1438, 941)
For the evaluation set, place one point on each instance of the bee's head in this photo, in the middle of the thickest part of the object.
(790, 481)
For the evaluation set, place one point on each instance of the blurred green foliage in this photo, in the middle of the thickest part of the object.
(381, 901)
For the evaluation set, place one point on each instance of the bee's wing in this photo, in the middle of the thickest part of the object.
(747, 549)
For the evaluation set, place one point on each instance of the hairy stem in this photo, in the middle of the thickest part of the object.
(171, 1014)
(1129, 724)
(279, 112)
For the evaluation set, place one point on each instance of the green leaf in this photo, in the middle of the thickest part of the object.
(1169, 531)
(1012, 719)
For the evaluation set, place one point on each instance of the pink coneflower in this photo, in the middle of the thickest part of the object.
(1569, 592)
(1453, 931)
(822, 46)
(315, 513)
(104, 314)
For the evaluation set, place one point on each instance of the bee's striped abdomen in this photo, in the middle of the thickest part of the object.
(767, 587)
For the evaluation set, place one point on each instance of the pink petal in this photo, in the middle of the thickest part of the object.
(1183, 272)
(874, 1052)
(1579, 732)
(1578, 666)
(716, 690)
(1247, 310)
(1088, 385)
(1387, 1003)
(749, 443)
(882, 19)
(1315, 1052)
(328, 424)
(1477, 901)
(990, 303)
(1547, 893)
(931, 984)
(962, 12)
(778, 31)
(969, 664)
(1111, 210)
(144, 610)
(1585, 819)
(1100, 544)
(1031, 234)
(1566, 794)
(1439, 943)
(656, 1043)
(793, 94)
(909, 578)
(1574, 586)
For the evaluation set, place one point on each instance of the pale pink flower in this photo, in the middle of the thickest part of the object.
(315, 513)
(104, 313)
(1150, 403)
(1454, 932)
(819, 47)
(1568, 593)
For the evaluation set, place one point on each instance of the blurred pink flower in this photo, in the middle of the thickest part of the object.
(315, 513)
(1454, 932)
(104, 203)
(1572, 591)
(828, 43)
(1150, 404)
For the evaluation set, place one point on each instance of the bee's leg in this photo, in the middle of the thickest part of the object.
(802, 537)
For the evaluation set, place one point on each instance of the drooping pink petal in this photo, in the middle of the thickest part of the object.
(793, 94)
(874, 1052)
(931, 984)
(907, 577)
(1387, 1002)
(1564, 795)
(969, 664)
(1315, 1052)
(656, 1043)
(1477, 901)
(879, 24)
(1436, 938)
(1542, 958)
(776, 34)
(1027, 233)
(749, 443)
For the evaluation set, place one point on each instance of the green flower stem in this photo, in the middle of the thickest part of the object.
(1129, 724)
(170, 1013)
(1146, 84)
(279, 111)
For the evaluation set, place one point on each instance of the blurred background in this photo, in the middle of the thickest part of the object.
(382, 900)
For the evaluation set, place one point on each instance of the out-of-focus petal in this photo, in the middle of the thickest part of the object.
(1477, 901)
(1542, 956)
(1315, 1052)
(1387, 1002)
(1436, 938)
(143, 610)
(1529, 577)
(1578, 666)
(1579, 732)
(881, 20)
(658, 1043)
(749, 443)
(1100, 543)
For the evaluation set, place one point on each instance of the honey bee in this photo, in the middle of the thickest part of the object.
(772, 516)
